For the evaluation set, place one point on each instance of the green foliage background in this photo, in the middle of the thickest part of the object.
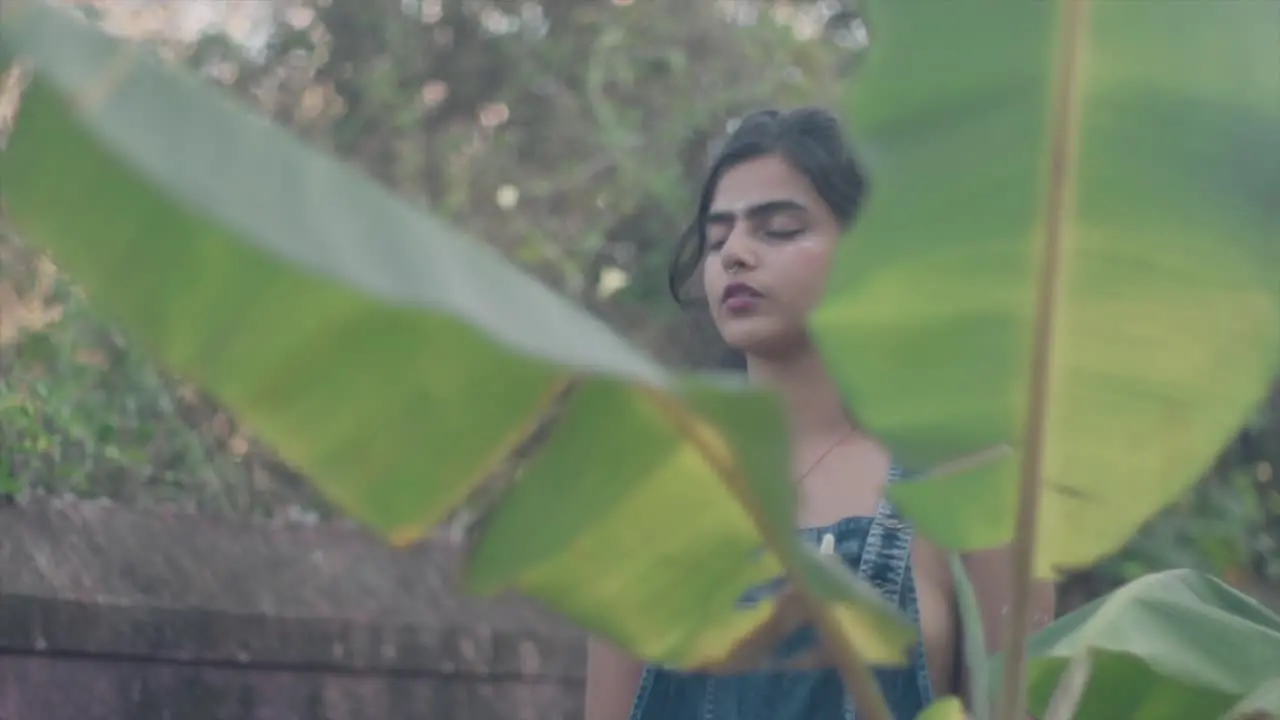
(569, 133)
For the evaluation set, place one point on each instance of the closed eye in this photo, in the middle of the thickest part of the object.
(783, 234)
(717, 232)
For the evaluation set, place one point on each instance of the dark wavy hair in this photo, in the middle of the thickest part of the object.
(810, 139)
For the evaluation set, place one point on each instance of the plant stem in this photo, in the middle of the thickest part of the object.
(856, 673)
(975, 647)
(1060, 200)
(1070, 691)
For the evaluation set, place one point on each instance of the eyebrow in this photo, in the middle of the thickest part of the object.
(757, 211)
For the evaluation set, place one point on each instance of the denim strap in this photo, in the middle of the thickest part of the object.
(886, 558)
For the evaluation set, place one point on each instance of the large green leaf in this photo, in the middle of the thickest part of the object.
(1123, 159)
(1177, 645)
(396, 362)
(947, 708)
(1261, 704)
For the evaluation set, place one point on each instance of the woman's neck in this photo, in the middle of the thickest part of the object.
(811, 399)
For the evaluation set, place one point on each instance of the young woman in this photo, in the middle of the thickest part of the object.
(776, 201)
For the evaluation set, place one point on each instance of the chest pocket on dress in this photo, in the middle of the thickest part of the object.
(846, 539)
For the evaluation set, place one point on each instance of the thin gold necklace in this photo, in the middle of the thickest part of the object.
(839, 441)
(828, 544)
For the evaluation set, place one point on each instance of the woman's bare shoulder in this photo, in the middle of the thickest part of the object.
(613, 677)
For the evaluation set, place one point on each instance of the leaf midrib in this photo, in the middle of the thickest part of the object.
(1064, 128)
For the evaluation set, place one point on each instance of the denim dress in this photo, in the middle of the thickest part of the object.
(879, 550)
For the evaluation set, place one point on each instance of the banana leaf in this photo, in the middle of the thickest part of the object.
(1068, 259)
(397, 362)
(1175, 645)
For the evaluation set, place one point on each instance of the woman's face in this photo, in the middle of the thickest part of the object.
(769, 241)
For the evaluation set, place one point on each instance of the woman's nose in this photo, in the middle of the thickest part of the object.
(737, 253)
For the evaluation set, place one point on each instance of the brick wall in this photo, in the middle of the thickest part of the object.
(114, 614)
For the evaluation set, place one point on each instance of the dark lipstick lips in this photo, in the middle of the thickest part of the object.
(738, 289)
